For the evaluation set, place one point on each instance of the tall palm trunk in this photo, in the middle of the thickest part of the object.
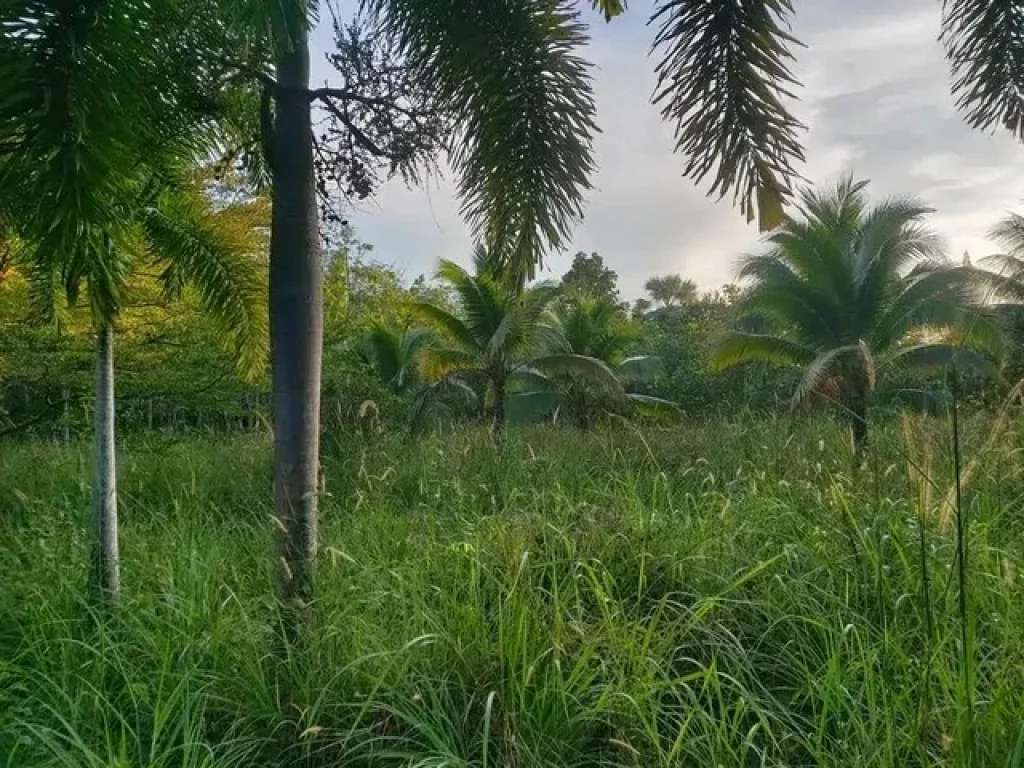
(106, 579)
(296, 332)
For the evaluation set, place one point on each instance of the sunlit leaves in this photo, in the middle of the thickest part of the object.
(609, 8)
(219, 258)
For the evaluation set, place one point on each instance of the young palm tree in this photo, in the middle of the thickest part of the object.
(198, 248)
(598, 331)
(852, 289)
(98, 117)
(499, 331)
(396, 355)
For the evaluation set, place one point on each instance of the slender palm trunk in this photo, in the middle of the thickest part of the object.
(498, 414)
(859, 420)
(106, 579)
(296, 333)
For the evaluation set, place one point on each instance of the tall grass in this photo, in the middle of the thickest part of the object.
(718, 594)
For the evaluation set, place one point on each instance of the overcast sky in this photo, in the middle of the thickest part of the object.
(876, 102)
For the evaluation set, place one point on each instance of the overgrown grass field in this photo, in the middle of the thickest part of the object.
(716, 594)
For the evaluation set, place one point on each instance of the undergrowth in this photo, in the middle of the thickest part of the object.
(711, 595)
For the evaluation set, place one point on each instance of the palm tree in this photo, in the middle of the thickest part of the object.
(596, 330)
(853, 289)
(198, 248)
(100, 125)
(519, 109)
(396, 355)
(497, 332)
(515, 95)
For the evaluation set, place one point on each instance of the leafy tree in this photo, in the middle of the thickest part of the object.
(641, 307)
(496, 331)
(684, 337)
(852, 290)
(596, 331)
(589, 277)
(671, 290)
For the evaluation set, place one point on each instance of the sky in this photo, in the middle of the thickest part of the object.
(876, 102)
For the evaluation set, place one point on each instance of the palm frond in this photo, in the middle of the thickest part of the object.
(529, 380)
(451, 389)
(1009, 233)
(522, 107)
(380, 346)
(723, 80)
(941, 356)
(813, 316)
(395, 354)
(830, 363)
(521, 333)
(931, 296)
(655, 407)
(481, 298)
(836, 207)
(738, 347)
(641, 369)
(220, 263)
(983, 45)
(530, 407)
(588, 369)
(451, 325)
(609, 8)
(891, 237)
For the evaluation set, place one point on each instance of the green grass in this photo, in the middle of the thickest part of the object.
(713, 595)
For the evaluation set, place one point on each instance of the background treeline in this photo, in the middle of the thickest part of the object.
(176, 373)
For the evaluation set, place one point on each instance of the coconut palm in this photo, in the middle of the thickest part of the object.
(850, 290)
(497, 331)
(597, 330)
(395, 355)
